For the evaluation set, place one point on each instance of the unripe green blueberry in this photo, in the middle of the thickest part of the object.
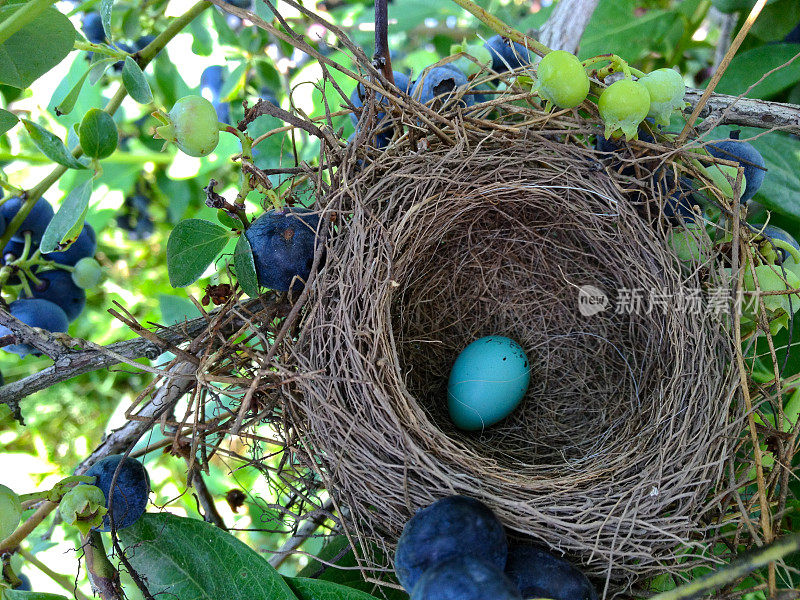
(83, 506)
(666, 89)
(98, 134)
(88, 273)
(193, 126)
(561, 79)
(623, 105)
(477, 51)
(10, 511)
(778, 306)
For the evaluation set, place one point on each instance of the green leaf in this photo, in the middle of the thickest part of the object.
(191, 559)
(17, 595)
(106, 7)
(746, 68)
(615, 28)
(234, 83)
(245, 267)
(51, 145)
(776, 20)
(7, 120)
(344, 570)
(36, 48)
(99, 67)
(781, 188)
(316, 589)
(135, 82)
(192, 246)
(66, 225)
(202, 42)
(68, 103)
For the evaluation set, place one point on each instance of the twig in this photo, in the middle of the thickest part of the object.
(303, 533)
(751, 18)
(211, 515)
(25, 334)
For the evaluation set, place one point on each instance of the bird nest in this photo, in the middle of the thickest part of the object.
(520, 230)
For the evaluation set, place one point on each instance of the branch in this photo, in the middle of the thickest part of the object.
(44, 342)
(303, 533)
(745, 112)
(77, 363)
(564, 29)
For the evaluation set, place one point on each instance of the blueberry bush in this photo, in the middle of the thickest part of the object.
(138, 187)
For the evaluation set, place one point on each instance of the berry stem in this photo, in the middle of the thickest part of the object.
(500, 27)
(98, 49)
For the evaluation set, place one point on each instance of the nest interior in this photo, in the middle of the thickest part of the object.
(626, 427)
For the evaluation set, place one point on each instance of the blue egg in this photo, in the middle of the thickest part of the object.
(487, 382)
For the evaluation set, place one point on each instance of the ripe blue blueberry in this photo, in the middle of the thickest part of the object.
(93, 28)
(36, 221)
(452, 527)
(25, 586)
(211, 80)
(539, 574)
(464, 578)
(440, 83)
(36, 313)
(506, 54)
(130, 491)
(240, 3)
(143, 41)
(57, 287)
(681, 204)
(124, 47)
(84, 246)
(283, 247)
(747, 156)
(357, 97)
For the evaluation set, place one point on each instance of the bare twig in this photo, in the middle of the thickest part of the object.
(303, 533)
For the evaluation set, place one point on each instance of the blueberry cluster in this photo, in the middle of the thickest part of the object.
(131, 489)
(55, 279)
(456, 548)
(92, 26)
(439, 86)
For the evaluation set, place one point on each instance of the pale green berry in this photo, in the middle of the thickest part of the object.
(666, 89)
(561, 79)
(777, 306)
(193, 126)
(623, 105)
(476, 51)
(88, 273)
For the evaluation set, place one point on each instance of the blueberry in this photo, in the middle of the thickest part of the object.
(2, 224)
(747, 156)
(36, 221)
(793, 37)
(283, 247)
(223, 111)
(211, 79)
(57, 287)
(539, 574)
(25, 586)
(117, 66)
(776, 233)
(36, 313)
(506, 56)
(240, 3)
(681, 204)
(93, 28)
(357, 97)
(464, 578)
(440, 82)
(452, 527)
(143, 41)
(84, 246)
(130, 492)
